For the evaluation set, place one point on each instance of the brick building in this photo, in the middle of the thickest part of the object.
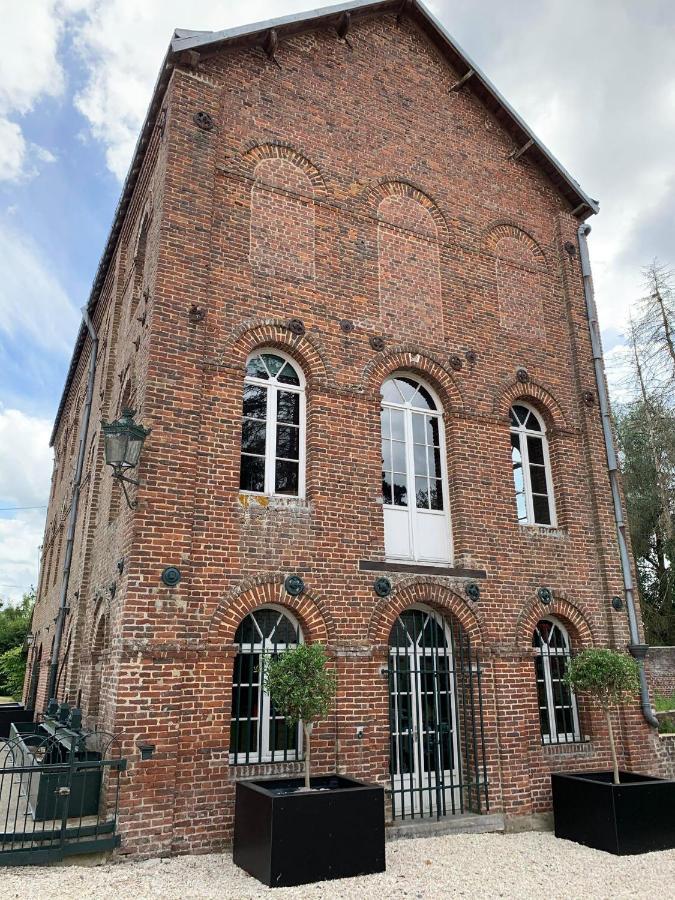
(343, 287)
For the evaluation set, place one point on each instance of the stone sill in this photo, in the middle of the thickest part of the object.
(412, 568)
(578, 748)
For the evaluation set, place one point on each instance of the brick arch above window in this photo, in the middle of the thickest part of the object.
(309, 609)
(572, 616)
(535, 394)
(388, 188)
(254, 154)
(429, 593)
(512, 240)
(304, 348)
(408, 358)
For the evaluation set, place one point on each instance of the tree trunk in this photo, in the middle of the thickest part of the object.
(307, 729)
(612, 745)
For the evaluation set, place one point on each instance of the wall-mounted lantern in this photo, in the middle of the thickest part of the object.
(123, 442)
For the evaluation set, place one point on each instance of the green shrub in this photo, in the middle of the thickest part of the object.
(12, 672)
(663, 703)
(608, 678)
(302, 689)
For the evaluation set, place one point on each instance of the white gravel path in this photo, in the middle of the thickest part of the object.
(532, 865)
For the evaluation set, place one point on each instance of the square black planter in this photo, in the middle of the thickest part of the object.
(284, 837)
(635, 816)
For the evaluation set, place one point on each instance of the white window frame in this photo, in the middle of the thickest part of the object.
(273, 387)
(438, 413)
(523, 434)
(263, 648)
(553, 737)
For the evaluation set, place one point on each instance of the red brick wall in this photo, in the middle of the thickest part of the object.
(348, 184)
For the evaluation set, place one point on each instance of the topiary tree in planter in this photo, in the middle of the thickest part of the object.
(302, 689)
(608, 678)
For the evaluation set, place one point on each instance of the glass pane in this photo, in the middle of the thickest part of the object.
(285, 632)
(246, 632)
(288, 375)
(518, 478)
(274, 363)
(286, 477)
(420, 455)
(532, 422)
(386, 487)
(400, 490)
(256, 369)
(434, 457)
(398, 456)
(423, 399)
(512, 418)
(521, 413)
(436, 494)
(390, 393)
(419, 428)
(266, 620)
(433, 431)
(397, 425)
(542, 515)
(252, 473)
(535, 449)
(538, 479)
(384, 421)
(255, 401)
(288, 441)
(521, 507)
(386, 455)
(243, 736)
(288, 407)
(421, 493)
(253, 436)
(407, 387)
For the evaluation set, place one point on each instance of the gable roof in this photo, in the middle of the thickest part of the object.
(338, 16)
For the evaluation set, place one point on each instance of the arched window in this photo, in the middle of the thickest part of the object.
(531, 467)
(257, 732)
(273, 426)
(414, 479)
(558, 714)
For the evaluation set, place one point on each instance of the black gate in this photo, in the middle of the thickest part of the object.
(59, 793)
(437, 755)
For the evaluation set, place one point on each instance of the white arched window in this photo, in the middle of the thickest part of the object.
(273, 426)
(414, 478)
(257, 732)
(558, 715)
(531, 467)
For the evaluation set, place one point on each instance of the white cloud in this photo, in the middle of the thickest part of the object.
(25, 471)
(29, 71)
(32, 301)
(26, 459)
(20, 539)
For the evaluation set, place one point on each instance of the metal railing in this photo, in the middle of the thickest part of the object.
(59, 793)
(558, 711)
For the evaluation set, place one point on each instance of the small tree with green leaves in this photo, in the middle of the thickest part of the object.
(608, 678)
(302, 688)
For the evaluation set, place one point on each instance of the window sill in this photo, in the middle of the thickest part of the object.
(271, 501)
(574, 748)
(415, 568)
(555, 532)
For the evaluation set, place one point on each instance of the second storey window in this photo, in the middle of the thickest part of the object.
(273, 426)
(531, 467)
(414, 480)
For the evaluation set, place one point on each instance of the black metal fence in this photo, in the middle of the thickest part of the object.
(59, 792)
(437, 754)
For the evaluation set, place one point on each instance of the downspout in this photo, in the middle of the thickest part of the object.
(74, 502)
(636, 648)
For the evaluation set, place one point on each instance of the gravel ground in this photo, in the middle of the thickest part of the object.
(519, 866)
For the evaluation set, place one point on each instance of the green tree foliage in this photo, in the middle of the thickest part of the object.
(608, 678)
(12, 672)
(14, 626)
(646, 435)
(302, 688)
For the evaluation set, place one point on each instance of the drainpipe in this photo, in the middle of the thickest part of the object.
(74, 502)
(636, 648)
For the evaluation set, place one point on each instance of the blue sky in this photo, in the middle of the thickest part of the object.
(596, 81)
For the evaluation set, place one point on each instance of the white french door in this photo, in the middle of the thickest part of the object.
(414, 479)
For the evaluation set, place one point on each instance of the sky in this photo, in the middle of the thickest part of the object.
(594, 80)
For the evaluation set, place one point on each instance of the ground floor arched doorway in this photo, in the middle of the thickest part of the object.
(437, 747)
